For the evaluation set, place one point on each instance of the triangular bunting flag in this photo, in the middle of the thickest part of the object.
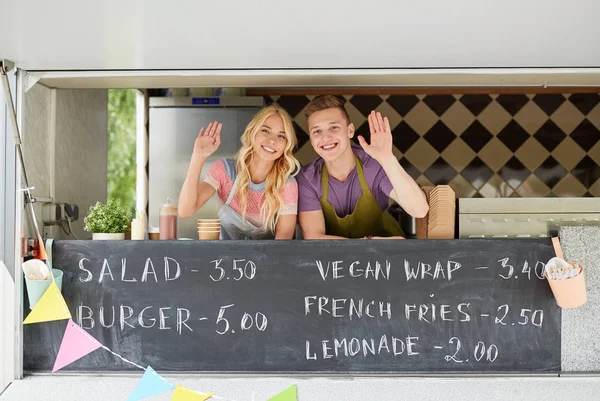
(76, 343)
(150, 384)
(51, 306)
(288, 394)
(183, 394)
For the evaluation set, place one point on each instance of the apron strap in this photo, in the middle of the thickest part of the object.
(361, 176)
(359, 173)
(325, 181)
(233, 191)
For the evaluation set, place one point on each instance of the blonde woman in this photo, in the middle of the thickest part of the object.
(258, 191)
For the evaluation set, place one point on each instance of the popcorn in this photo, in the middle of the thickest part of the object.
(559, 269)
(35, 269)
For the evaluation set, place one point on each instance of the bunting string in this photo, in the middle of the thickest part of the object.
(77, 343)
(123, 359)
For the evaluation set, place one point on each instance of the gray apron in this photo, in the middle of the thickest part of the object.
(234, 227)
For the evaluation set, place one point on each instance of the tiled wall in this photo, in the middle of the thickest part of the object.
(484, 145)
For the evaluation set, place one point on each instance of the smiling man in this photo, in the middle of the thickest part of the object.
(345, 191)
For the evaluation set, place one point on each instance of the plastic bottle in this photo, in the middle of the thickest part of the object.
(138, 226)
(167, 221)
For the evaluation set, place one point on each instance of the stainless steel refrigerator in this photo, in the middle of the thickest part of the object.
(174, 124)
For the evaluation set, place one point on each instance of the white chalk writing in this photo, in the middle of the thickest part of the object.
(172, 271)
(345, 347)
(373, 270)
(441, 271)
(343, 307)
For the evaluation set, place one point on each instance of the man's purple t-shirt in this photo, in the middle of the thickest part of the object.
(343, 196)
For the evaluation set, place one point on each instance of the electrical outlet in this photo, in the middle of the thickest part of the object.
(70, 211)
(52, 213)
(55, 213)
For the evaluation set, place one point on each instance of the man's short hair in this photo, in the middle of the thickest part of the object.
(324, 102)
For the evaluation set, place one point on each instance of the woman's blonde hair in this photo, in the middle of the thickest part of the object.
(285, 166)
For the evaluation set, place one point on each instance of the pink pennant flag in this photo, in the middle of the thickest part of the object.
(76, 343)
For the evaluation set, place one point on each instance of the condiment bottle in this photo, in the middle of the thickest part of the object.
(167, 221)
(138, 226)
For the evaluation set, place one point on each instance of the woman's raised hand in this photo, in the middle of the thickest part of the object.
(208, 140)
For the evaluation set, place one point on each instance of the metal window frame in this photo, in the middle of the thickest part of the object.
(11, 230)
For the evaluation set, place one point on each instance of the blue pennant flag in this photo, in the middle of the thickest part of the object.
(150, 384)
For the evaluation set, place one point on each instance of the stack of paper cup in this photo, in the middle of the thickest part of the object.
(442, 208)
(209, 229)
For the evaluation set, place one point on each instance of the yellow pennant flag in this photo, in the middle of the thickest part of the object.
(183, 394)
(51, 306)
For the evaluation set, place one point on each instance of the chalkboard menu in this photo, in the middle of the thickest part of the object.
(372, 306)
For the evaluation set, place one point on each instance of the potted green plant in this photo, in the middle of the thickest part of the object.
(107, 221)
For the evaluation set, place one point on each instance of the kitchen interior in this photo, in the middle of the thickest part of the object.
(510, 162)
